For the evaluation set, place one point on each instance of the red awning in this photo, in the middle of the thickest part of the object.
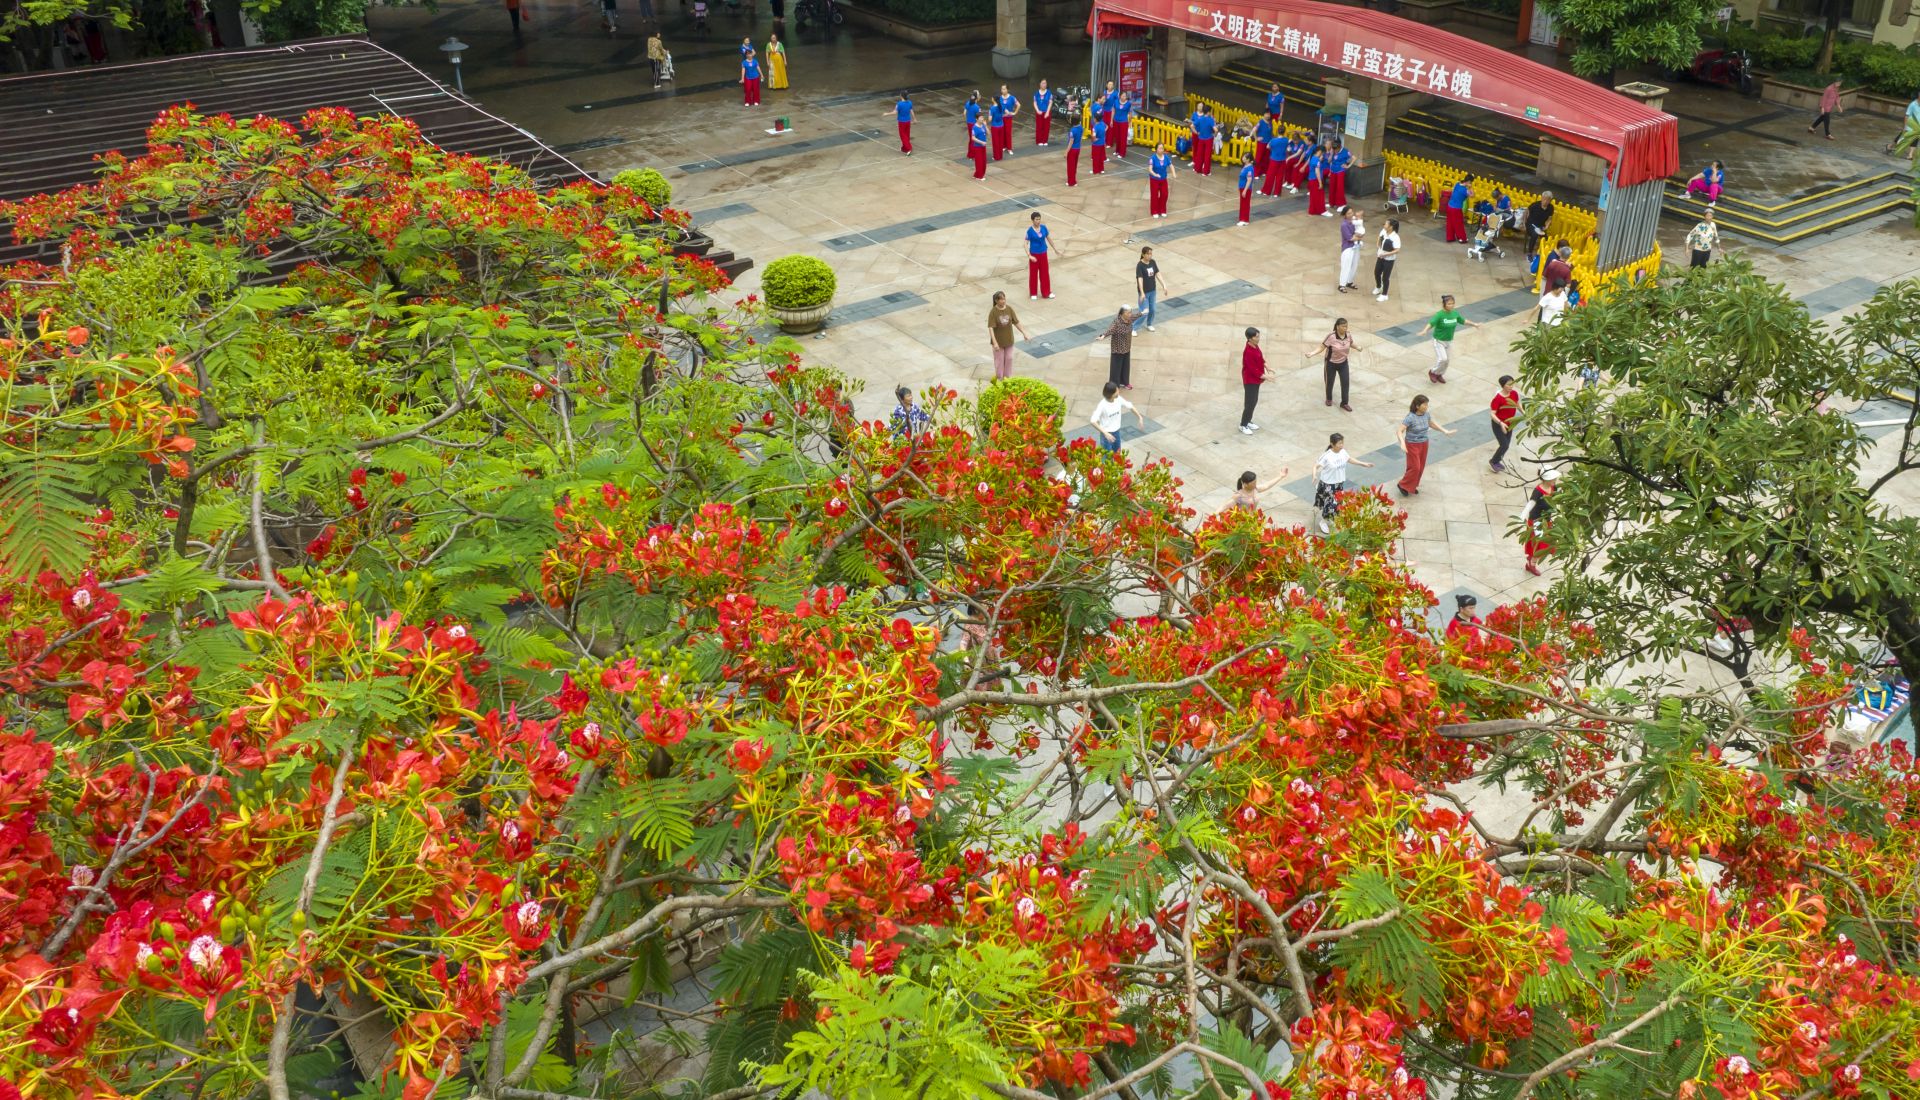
(1641, 143)
(1120, 26)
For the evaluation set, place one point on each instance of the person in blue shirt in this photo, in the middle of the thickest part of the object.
(1709, 182)
(1337, 166)
(1039, 244)
(750, 78)
(1262, 138)
(973, 113)
(1278, 148)
(1203, 131)
(996, 119)
(1122, 128)
(1275, 102)
(1009, 106)
(1317, 182)
(903, 116)
(1099, 145)
(1248, 173)
(1042, 114)
(908, 418)
(1159, 171)
(1074, 134)
(1457, 211)
(1299, 157)
(977, 139)
(1109, 103)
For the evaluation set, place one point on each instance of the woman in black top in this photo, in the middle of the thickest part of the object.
(1540, 517)
(1146, 280)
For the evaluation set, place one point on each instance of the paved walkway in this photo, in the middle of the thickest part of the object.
(920, 247)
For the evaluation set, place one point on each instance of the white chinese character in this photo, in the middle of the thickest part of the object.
(1274, 31)
(1219, 22)
(1235, 23)
(1395, 66)
(1310, 45)
(1255, 29)
(1462, 84)
(1370, 61)
(1437, 77)
(1290, 40)
(1415, 67)
(1350, 54)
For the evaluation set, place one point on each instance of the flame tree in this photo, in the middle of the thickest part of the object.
(416, 657)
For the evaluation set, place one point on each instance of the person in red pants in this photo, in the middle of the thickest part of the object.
(1074, 134)
(1099, 146)
(1042, 114)
(1159, 171)
(977, 139)
(1262, 139)
(1337, 166)
(1413, 440)
(1317, 184)
(1039, 243)
(1122, 127)
(750, 79)
(1248, 173)
(1203, 131)
(996, 126)
(1299, 155)
(1278, 150)
(903, 115)
(1009, 107)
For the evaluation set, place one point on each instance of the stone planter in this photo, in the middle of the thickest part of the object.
(927, 36)
(1775, 90)
(800, 321)
(1874, 104)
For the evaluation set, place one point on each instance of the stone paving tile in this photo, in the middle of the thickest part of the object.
(1839, 296)
(785, 149)
(718, 213)
(933, 223)
(1165, 309)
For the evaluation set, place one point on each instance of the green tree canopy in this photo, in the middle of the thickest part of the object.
(1614, 34)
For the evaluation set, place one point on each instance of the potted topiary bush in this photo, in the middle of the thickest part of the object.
(799, 292)
(646, 183)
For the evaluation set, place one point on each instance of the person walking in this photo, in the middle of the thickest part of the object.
(1829, 106)
(1702, 239)
(1337, 166)
(1009, 109)
(1039, 244)
(1505, 408)
(609, 16)
(1074, 133)
(513, 13)
(1457, 211)
(1279, 148)
(656, 56)
(1912, 122)
(903, 118)
(977, 139)
(1108, 414)
(1247, 490)
(1413, 440)
(1443, 325)
(1099, 147)
(1146, 281)
(1122, 128)
(776, 63)
(1383, 258)
(1253, 371)
(1330, 478)
(1540, 517)
(1119, 337)
(1001, 323)
(750, 78)
(1553, 305)
(1353, 230)
(1042, 114)
(1317, 183)
(1203, 131)
(1337, 347)
(1159, 172)
(1248, 173)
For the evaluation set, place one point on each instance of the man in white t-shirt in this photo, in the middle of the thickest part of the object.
(1553, 304)
(1108, 414)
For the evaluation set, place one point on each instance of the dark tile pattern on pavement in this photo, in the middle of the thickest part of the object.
(731, 210)
(1066, 339)
(775, 152)
(911, 90)
(1129, 431)
(875, 307)
(1841, 295)
(1389, 462)
(866, 238)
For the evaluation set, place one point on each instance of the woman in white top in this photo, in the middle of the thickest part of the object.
(1330, 477)
(1388, 252)
(1108, 414)
(1552, 305)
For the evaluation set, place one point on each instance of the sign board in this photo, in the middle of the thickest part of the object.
(1533, 112)
(1357, 118)
(1133, 75)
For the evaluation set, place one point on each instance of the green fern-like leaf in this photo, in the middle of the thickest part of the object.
(45, 518)
(764, 969)
(1129, 881)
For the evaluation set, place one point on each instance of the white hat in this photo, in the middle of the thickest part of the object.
(1550, 474)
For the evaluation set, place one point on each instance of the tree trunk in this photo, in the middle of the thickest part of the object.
(1903, 638)
(1823, 64)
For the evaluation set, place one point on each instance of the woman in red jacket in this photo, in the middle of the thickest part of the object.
(1253, 371)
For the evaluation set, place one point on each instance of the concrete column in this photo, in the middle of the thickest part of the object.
(1167, 69)
(1011, 58)
(1352, 95)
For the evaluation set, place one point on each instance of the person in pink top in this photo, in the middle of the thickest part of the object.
(1829, 106)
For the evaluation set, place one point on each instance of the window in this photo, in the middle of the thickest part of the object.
(1864, 13)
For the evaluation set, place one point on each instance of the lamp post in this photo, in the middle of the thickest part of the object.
(453, 48)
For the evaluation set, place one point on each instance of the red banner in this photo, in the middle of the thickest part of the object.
(1641, 143)
(1133, 74)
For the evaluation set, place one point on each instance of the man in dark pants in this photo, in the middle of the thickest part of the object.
(1538, 215)
(1253, 371)
(1506, 410)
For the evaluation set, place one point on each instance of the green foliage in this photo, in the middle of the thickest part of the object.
(1785, 53)
(1037, 396)
(648, 183)
(46, 515)
(1614, 34)
(798, 282)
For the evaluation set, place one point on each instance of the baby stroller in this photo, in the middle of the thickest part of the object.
(1399, 194)
(666, 68)
(1487, 239)
(700, 16)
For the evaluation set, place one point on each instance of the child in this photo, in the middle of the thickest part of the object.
(700, 16)
(1486, 239)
